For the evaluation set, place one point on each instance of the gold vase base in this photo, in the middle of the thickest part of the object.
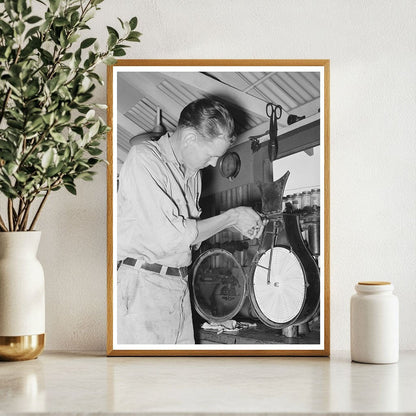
(20, 348)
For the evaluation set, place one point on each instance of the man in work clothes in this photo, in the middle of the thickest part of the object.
(158, 223)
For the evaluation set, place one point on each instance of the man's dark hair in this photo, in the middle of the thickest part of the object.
(210, 118)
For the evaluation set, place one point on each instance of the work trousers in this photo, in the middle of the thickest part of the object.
(152, 308)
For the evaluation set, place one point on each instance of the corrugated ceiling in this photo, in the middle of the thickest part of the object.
(247, 93)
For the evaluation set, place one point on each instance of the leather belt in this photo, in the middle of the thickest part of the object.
(155, 267)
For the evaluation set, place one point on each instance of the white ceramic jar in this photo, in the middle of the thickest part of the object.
(374, 323)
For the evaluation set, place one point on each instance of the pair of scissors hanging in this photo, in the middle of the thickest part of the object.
(274, 112)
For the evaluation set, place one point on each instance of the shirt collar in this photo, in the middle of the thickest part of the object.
(166, 149)
(168, 155)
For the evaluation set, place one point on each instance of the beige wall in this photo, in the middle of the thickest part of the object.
(373, 153)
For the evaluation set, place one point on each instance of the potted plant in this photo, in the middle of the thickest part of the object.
(50, 136)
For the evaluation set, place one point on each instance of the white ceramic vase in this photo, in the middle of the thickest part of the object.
(22, 296)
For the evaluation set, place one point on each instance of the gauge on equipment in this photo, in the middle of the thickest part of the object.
(229, 165)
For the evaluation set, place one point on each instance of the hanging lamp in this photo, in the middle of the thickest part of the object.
(157, 132)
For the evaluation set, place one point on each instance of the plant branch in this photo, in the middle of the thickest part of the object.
(10, 213)
(35, 145)
(19, 215)
(39, 209)
(26, 216)
(2, 225)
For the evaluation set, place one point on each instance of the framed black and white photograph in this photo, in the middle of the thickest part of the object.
(218, 207)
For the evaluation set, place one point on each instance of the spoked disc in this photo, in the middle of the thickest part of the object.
(280, 300)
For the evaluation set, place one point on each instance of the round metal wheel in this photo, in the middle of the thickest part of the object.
(279, 301)
(218, 285)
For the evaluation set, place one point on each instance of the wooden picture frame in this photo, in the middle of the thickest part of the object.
(136, 89)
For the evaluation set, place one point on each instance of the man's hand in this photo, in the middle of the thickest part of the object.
(247, 221)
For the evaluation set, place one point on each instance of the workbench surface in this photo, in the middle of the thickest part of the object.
(90, 383)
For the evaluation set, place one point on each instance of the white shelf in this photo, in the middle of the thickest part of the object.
(84, 383)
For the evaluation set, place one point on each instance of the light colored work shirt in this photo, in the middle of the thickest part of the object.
(157, 206)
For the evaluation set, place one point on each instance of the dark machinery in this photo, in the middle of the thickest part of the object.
(282, 287)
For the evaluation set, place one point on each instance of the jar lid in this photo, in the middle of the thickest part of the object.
(374, 283)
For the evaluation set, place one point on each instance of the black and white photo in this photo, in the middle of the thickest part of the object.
(218, 208)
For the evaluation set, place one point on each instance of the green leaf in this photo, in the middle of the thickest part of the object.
(33, 19)
(63, 41)
(35, 125)
(21, 177)
(94, 151)
(67, 56)
(31, 31)
(54, 4)
(70, 188)
(112, 41)
(46, 56)
(11, 168)
(47, 158)
(52, 171)
(21, 5)
(86, 176)
(133, 23)
(92, 161)
(61, 21)
(27, 52)
(94, 129)
(5, 28)
(110, 60)
(20, 28)
(133, 38)
(87, 42)
(64, 93)
(90, 14)
(77, 130)
(4, 145)
(53, 83)
(48, 118)
(121, 22)
(15, 124)
(67, 153)
(82, 166)
(119, 52)
(8, 191)
(111, 30)
(74, 18)
(10, 8)
(82, 98)
(90, 115)
(31, 90)
(73, 38)
(80, 120)
(60, 138)
(96, 77)
(134, 35)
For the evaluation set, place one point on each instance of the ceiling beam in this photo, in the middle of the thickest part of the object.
(262, 130)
